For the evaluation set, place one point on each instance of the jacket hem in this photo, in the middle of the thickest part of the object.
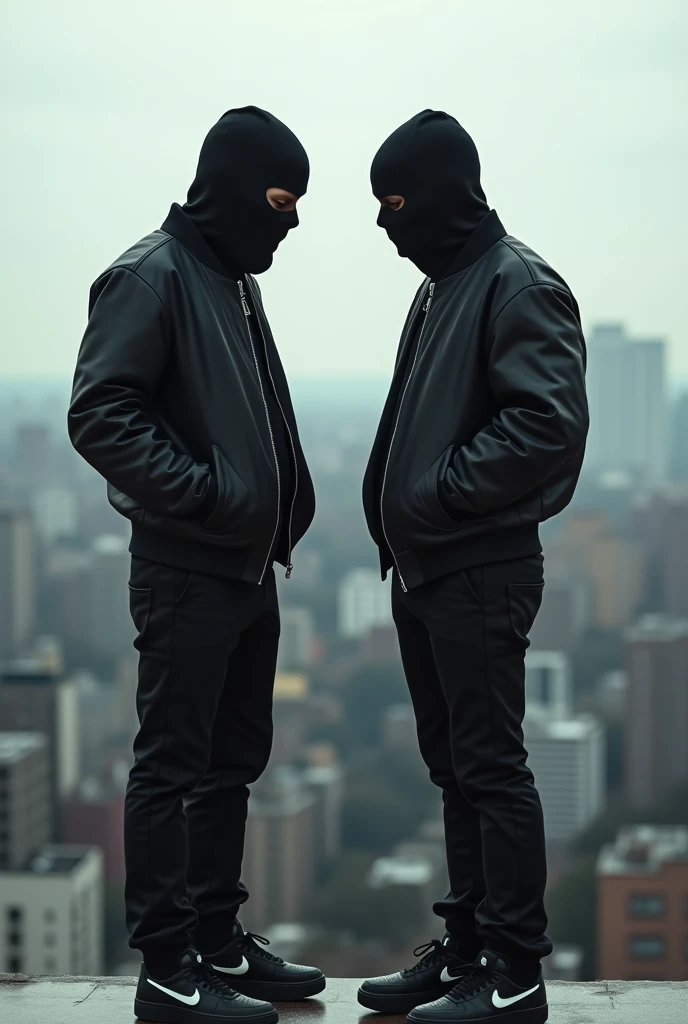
(206, 559)
(423, 565)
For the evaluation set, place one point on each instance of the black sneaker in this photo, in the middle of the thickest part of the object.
(427, 980)
(255, 972)
(487, 993)
(195, 994)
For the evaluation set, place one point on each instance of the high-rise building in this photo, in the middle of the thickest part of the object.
(95, 815)
(642, 894)
(660, 530)
(280, 852)
(678, 464)
(656, 727)
(51, 913)
(364, 603)
(591, 547)
(111, 628)
(567, 756)
(326, 782)
(36, 697)
(296, 640)
(17, 582)
(55, 513)
(33, 455)
(291, 716)
(399, 730)
(24, 797)
(627, 392)
(548, 682)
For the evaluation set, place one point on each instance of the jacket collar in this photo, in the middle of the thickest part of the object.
(180, 226)
(489, 230)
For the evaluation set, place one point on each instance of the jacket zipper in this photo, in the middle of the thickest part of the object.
(426, 308)
(290, 567)
(247, 313)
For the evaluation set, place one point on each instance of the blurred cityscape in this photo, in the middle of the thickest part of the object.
(345, 849)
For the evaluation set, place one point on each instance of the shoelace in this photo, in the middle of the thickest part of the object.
(431, 954)
(250, 941)
(203, 974)
(475, 981)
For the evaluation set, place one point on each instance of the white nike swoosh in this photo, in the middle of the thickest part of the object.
(446, 976)
(241, 969)
(188, 1000)
(500, 1003)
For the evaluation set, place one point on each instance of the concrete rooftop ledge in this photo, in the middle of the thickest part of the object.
(110, 1001)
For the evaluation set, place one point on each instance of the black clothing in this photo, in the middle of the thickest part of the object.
(485, 438)
(247, 152)
(489, 992)
(169, 399)
(195, 994)
(432, 162)
(463, 638)
(427, 980)
(266, 976)
(208, 651)
(283, 451)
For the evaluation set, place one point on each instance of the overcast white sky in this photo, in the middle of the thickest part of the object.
(577, 108)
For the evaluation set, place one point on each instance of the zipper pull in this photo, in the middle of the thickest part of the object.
(242, 296)
(431, 291)
(290, 569)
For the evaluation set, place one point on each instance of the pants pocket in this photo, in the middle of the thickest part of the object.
(524, 604)
(139, 606)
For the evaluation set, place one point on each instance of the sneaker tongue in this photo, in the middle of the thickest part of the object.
(492, 961)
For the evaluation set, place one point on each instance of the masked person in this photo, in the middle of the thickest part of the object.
(481, 439)
(181, 403)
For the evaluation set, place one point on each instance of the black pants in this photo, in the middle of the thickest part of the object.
(463, 641)
(208, 650)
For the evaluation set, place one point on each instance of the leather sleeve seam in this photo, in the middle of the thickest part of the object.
(533, 284)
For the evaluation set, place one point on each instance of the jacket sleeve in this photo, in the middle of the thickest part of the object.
(120, 362)
(536, 373)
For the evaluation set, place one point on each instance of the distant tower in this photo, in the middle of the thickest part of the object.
(626, 382)
(17, 582)
(364, 603)
(656, 734)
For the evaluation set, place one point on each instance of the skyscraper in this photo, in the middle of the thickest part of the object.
(567, 756)
(281, 849)
(24, 797)
(660, 528)
(656, 728)
(626, 383)
(51, 913)
(17, 582)
(36, 697)
(364, 603)
(111, 628)
(296, 640)
(548, 682)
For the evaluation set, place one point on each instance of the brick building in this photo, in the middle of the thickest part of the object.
(642, 885)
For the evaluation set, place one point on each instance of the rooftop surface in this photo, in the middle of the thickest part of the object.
(110, 1001)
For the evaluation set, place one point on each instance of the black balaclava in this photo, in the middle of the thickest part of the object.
(433, 163)
(245, 153)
